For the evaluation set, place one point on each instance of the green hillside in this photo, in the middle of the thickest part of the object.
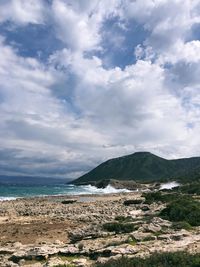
(143, 166)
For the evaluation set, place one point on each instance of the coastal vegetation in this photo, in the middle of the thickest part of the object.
(119, 227)
(187, 210)
(190, 188)
(163, 197)
(178, 259)
(68, 201)
(181, 225)
(133, 202)
(123, 218)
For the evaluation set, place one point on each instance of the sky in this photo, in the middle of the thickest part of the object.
(82, 81)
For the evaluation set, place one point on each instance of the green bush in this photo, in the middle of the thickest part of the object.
(163, 197)
(68, 201)
(132, 202)
(145, 208)
(175, 259)
(118, 227)
(123, 218)
(152, 197)
(181, 225)
(193, 188)
(187, 210)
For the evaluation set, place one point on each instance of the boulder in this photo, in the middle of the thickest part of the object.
(103, 260)
(6, 250)
(161, 222)
(124, 250)
(37, 264)
(18, 245)
(69, 250)
(10, 264)
(80, 262)
(154, 228)
(55, 262)
(38, 253)
(140, 236)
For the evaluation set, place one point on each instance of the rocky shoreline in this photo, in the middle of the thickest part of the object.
(52, 231)
(122, 184)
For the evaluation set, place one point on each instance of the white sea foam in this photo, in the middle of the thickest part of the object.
(64, 190)
(169, 185)
(7, 198)
(89, 189)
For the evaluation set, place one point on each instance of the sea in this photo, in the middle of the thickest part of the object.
(14, 191)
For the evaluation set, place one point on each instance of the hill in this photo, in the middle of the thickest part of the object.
(143, 167)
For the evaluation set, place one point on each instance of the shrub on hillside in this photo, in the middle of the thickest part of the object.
(132, 202)
(193, 188)
(187, 210)
(181, 225)
(173, 259)
(68, 201)
(152, 197)
(118, 227)
(158, 196)
(123, 219)
(163, 197)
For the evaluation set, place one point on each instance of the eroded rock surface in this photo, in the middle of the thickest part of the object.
(44, 232)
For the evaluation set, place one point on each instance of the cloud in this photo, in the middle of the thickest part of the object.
(73, 28)
(64, 115)
(187, 52)
(78, 23)
(170, 25)
(22, 11)
(166, 20)
(35, 123)
(129, 104)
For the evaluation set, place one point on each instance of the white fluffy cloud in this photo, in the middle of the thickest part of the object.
(130, 104)
(64, 116)
(189, 52)
(22, 11)
(78, 23)
(75, 29)
(167, 21)
(36, 124)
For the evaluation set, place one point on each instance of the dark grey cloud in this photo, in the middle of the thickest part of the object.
(12, 163)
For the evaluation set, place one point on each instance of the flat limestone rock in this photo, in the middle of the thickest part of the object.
(80, 262)
(140, 236)
(9, 264)
(37, 264)
(124, 250)
(54, 262)
(103, 260)
(69, 250)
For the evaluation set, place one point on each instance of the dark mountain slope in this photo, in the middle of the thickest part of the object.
(141, 166)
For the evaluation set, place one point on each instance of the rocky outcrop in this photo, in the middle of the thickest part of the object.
(74, 234)
(122, 184)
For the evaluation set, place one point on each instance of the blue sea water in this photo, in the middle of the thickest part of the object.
(13, 191)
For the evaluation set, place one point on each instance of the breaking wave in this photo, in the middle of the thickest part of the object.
(90, 189)
(7, 198)
(11, 192)
(169, 185)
